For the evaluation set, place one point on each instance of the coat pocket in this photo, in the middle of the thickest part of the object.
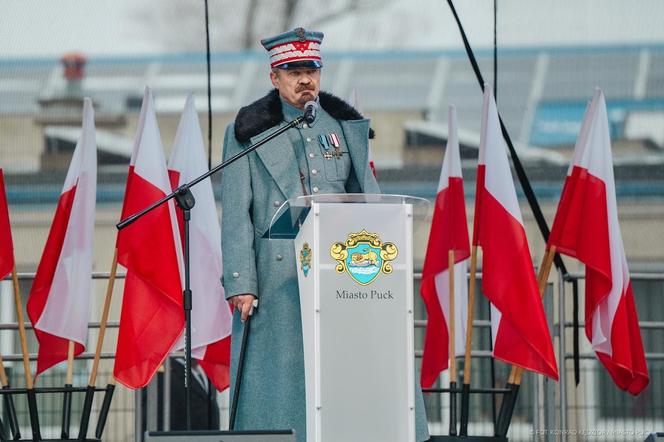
(337, 164)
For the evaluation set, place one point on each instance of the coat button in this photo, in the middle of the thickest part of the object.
(305, 125)
(279, 257)
(311, 155)
(315, 189)
(276, 203)
(236, 275)
(308, 140)
(314, 171)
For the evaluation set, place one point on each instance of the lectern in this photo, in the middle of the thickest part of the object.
(355, 273)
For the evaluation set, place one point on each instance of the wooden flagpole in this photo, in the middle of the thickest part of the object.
(66, 398)
(516, 374)
(32, 397)
(110, 387)
(452, 346)
(70, 363)
(21, 330)
(89, 393)
(465, 393)
(4, 380)
(104, 319)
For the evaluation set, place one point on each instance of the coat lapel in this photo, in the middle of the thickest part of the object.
(279, 159)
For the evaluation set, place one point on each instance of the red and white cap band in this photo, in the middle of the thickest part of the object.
(294, 51)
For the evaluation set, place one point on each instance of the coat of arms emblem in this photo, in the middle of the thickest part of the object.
(364, 256)
(305, 259)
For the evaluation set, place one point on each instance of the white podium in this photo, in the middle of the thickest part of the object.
(355, 275)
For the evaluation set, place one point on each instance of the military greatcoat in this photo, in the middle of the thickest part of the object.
(272, 393)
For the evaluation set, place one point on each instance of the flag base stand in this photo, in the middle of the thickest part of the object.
(464, 416)
(52, 440)
(30, 395)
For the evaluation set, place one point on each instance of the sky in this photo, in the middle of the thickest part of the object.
(30, 28)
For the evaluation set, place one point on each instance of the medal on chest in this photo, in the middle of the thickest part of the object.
(325, 144)
(330, 142)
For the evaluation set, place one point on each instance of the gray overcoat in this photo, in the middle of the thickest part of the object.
(272, 391)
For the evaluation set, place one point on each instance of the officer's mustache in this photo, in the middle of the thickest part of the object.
(305, 87)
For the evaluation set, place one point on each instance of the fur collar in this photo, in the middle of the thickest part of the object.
(265, 113)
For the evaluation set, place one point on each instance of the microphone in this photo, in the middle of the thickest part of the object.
(310, 109)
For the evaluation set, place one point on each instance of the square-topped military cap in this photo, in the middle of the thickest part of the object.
(298, 48)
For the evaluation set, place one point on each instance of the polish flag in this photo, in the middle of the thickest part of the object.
(59, 302)
(211, 314)
(586, 227)
(449, 231)
(6, 243)
(519, 328)
(152, 317)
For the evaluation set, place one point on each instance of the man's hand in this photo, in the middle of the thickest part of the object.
(244, 304)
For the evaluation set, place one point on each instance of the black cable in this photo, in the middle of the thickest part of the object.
(575, 329)
(209, 85)
(495, 51)
(495, 96)
(518, 167)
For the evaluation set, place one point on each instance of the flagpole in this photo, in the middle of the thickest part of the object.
(507, 405)
(89, 394)
(66, 398)
(105, 407)
(516, 374)
(452, 346)
(465, 393)
(21, 330)
(4, 380)
(9, 404)
(104, 319)
(32, 397)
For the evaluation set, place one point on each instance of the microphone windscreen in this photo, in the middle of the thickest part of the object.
(310, 108)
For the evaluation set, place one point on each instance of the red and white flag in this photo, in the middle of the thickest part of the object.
(152, 317)
(59, 302)
(518, 324)
(449, 231)
(6, 243)
(211, 314)
(586, 227)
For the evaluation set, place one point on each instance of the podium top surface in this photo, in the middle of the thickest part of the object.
(291, 214)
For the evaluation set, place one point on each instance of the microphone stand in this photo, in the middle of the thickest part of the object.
(185, 200)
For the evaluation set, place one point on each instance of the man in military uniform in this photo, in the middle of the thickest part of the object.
(329, 155)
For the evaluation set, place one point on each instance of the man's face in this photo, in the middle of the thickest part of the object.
(297, 86)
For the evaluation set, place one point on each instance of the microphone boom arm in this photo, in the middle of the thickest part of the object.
(184, 188)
